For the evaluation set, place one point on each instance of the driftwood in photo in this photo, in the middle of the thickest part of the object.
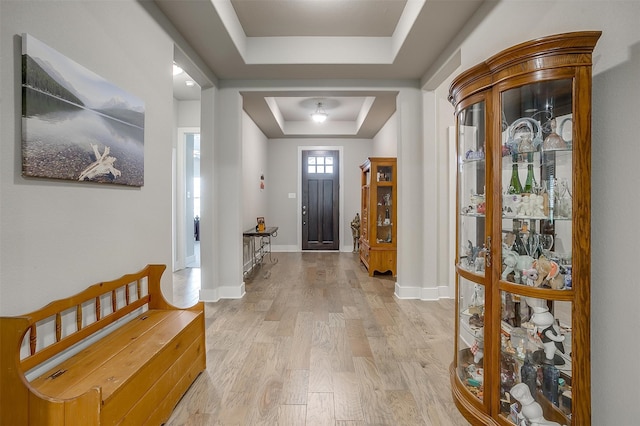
(102, 166)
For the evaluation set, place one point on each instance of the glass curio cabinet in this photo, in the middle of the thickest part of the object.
(379, 222)
(523, 121)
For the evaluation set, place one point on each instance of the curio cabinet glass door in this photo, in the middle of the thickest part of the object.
(472, 246)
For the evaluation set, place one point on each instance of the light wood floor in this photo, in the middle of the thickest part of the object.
(316, 341)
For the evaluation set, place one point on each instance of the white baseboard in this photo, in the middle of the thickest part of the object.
(421, 293)
(222, 292)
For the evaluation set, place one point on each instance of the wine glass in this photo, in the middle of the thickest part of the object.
(546, 242)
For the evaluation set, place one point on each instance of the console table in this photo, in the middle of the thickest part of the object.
(259, 246)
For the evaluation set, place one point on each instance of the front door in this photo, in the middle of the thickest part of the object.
(320, 190)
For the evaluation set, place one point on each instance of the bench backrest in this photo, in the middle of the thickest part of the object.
(65, 322)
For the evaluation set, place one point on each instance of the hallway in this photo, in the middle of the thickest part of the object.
(316, 341)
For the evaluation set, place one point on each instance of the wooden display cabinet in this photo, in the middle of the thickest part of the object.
(379, 219)
(523, 120)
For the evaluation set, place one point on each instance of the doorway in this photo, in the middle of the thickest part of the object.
(187, 200)
(320, 200)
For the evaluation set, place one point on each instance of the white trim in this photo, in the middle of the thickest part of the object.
(422, 293)
(223, 292)
(403, 292)
(174, 211)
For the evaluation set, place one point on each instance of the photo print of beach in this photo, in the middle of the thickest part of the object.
(75, 124)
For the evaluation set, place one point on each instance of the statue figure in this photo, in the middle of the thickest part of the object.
(355, 232)
(531, 412)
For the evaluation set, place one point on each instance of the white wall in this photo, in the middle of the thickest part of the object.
(188, 113)
(254, 164)
(412, 218)
(209, 232)
(615, 286)
(385, 142)
(446, 187)
(437, 261)
(57, 237)
(222, 180)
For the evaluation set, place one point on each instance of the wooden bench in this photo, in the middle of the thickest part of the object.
(134, 356)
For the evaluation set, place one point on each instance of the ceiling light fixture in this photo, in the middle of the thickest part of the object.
(190, 83)
(319, 116)
(176, 69)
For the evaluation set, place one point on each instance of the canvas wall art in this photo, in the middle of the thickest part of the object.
(75, 124)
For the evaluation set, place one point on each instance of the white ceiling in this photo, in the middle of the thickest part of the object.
(320, 43)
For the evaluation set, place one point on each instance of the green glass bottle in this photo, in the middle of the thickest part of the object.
(530, 183)
(515, 187)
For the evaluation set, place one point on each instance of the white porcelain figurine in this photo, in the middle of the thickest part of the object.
(546, 325)
(531, 413)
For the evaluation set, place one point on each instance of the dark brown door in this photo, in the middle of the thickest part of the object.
(320, 189)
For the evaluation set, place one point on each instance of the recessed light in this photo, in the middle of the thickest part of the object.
(176, 69)
(190, 83)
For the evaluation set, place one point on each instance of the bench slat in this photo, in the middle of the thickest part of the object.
(33, 338)
(78, 317)
(98, 309)
(58, 326)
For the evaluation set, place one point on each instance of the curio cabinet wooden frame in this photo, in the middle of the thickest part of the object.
(523, 121)
(379, 218)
